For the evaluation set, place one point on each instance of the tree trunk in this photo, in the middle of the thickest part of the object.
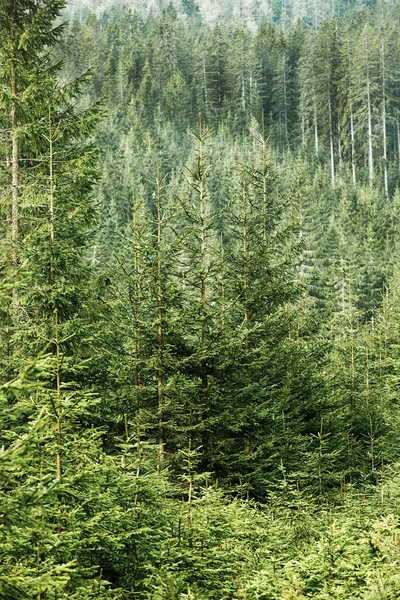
(384, 131)
(369, 117)
(398, 141)
(331, 140)
(368, 407)
(160, 326)
(316, 138)
(264, 174)
(203, 276)
(222, 285)
(285, 104)
(205, 81)
(245, 244)
(136, 264)
(15, 184)
(57, 347)
(353, 149)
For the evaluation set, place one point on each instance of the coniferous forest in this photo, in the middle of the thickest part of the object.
(200, 300)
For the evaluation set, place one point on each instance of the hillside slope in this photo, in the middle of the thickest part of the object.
(246, 12)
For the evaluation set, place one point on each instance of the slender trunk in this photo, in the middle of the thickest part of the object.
(385, 311)
(353, 148)
(139, 459)
(352, 365)
(316, 138)
(136, 266)
(398, 142)
(59, 412)
(121, 82)
(219, 81)
(368, 406)
(15, 185)
(251, 94)
(202, 236)
(369, 117)
(243, 86)
(320, 459)
(190, 493)
(264, 174)
(223, 303)
(52, 208)
(285, 105)
(205, 81)
(370, 152)
(331, 140)
(56, 323)
(38, 551)
(222, 286)
(245, 244)
(385, 165)
(353, 384)
(160, 326)
(352, 133)
(203, 276)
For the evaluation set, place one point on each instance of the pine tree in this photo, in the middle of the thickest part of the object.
(364, 78)
(327, 65)
(27, 29)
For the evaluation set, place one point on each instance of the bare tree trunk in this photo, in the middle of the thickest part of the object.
(15, 184)
(370, 151)
(243, 86)
(331, 141)
(352, 133)
(353, 149)
(316, 138)
(303, 130)
(385, 165)
(369, 116)
(251, 94)
(340, 148)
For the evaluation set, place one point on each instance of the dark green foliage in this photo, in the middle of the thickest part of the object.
(199, 314)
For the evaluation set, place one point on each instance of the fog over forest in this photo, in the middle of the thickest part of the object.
(247, 13)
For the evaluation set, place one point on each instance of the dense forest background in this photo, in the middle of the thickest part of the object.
(248, 13)
(199, 300)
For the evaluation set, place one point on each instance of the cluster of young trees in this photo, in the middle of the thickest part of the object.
(199, 327)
